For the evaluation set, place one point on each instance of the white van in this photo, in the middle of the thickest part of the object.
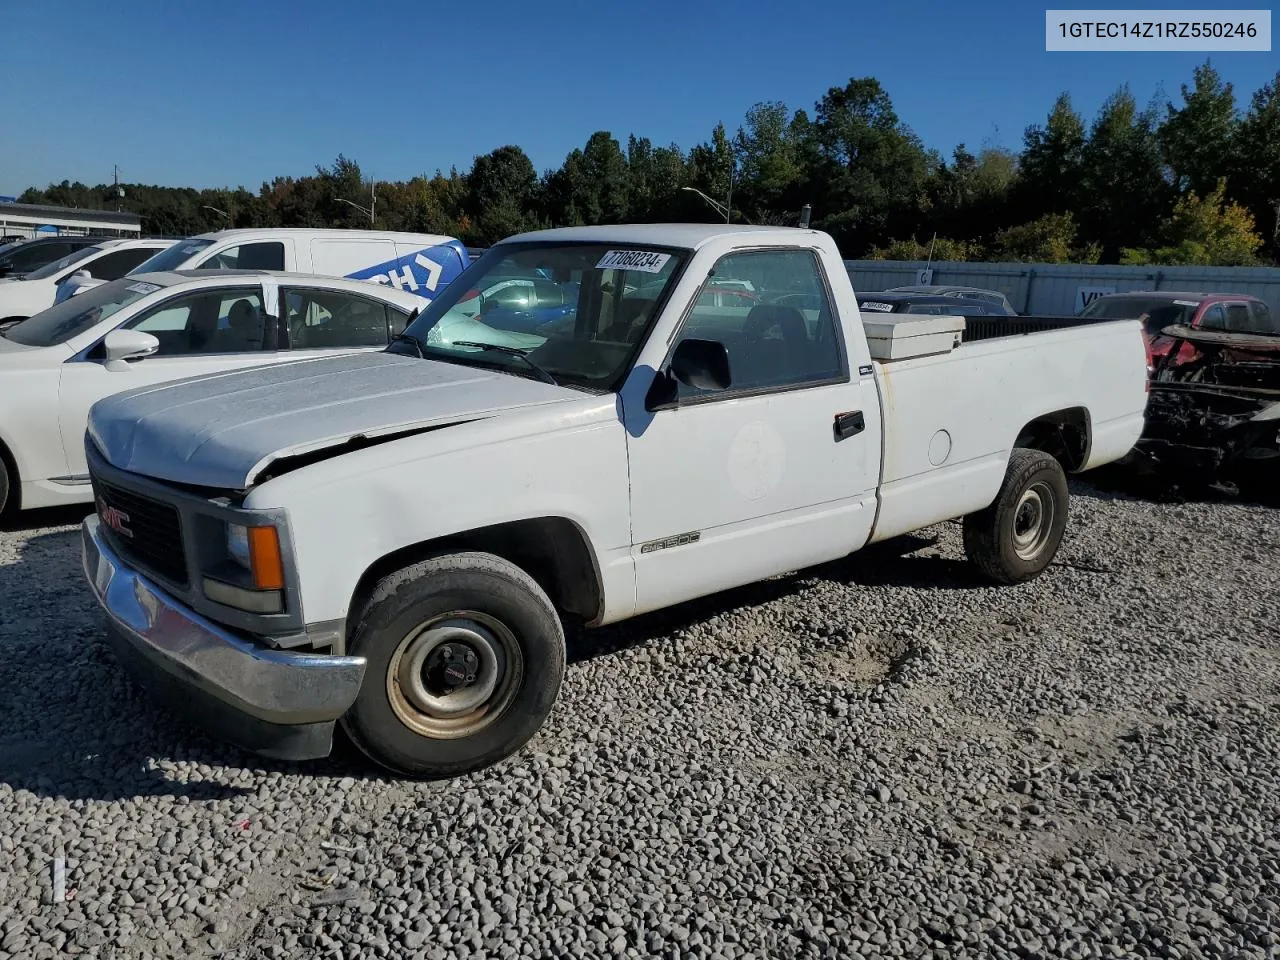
(421, 263)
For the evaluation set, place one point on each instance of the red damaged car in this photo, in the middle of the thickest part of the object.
(1157, 309)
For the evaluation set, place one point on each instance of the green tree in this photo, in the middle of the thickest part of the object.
(1197, 137)
(1051, 167)
(1124, 193)
(871, 169)
(770, 159)
(503, 195)
(941, 250)
(1204, 231)
(1255, 163)
(592, 186)
(1047, 239)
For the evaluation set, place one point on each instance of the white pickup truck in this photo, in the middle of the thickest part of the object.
(396, 541)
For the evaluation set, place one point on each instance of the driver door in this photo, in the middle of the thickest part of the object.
(732, 486)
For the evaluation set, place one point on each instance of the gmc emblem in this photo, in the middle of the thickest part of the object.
(114, 518)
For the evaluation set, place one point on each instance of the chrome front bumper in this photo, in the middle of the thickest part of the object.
(274, 702)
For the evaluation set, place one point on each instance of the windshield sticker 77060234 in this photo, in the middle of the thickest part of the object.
(646, 261)
(143, 287)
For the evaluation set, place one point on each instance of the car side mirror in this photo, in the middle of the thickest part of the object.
(702, 364)
(121, 346)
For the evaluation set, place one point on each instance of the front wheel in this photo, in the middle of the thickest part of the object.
(465, 658)
(1017, 537)
(5, 486)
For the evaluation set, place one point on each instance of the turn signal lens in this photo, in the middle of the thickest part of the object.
(264, 558)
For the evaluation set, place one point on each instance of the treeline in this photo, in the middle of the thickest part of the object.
(1189, 182)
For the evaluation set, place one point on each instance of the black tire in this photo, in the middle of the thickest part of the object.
(505, 621)
(1017, 537)
(5, 486)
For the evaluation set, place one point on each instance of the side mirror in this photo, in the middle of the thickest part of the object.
(122, 346)
(702, 364)
(81, 274)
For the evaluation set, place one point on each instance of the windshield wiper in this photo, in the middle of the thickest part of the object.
(510, 352)
(410, 338)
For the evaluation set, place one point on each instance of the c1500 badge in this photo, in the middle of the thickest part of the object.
(679, 540)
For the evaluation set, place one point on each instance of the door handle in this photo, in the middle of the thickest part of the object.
(849, 424)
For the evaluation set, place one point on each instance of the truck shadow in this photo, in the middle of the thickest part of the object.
(74, 725)
(44, 517)
(895, 563)
(1260, 487)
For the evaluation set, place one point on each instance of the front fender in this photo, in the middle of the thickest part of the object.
(350, 511)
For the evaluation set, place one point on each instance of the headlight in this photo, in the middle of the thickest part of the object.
(256, 550)
(238, 544)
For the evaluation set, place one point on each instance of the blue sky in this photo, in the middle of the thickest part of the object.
(233, 93)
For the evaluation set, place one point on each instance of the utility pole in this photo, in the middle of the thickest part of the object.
(118, 191)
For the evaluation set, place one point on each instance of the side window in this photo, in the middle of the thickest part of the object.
(113, 266)
(221, 321)
(1238, 319)
(779, 327)
(268, 255)
(321, 318)
(37, 256)
(398, 319)
(1261, 319)
(1215, 318)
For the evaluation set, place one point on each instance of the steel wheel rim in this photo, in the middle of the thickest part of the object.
(1033, 519)
(413, 683)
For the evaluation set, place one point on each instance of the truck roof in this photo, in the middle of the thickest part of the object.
(686, 235)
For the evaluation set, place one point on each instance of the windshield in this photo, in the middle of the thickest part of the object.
(1156, 313)
(577, 312)
(172, 258)
(72, 317)
(52, 269)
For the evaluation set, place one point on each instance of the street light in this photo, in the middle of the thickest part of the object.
(221, 213)
(373, 203)
(720, 207)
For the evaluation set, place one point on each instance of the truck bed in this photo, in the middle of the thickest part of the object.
(943, 411)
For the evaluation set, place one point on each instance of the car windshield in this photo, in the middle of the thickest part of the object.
(53, 269)
(576, 313)
(171, 258)
(1156, 313)
(72, 317)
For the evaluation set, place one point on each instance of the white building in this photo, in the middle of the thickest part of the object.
(27, 220)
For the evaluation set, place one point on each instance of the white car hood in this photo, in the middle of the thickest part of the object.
(222, 430)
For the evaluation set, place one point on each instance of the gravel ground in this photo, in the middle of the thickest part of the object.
(879, 757)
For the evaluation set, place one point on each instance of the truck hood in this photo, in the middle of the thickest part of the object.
(223, 430)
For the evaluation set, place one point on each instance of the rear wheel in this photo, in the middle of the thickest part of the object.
(1017, 537)
(465, 657)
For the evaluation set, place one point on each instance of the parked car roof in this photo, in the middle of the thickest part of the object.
(902, 302)
(957, 290)
(1175, 295)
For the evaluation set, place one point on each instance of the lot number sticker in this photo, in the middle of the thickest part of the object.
(646, 261)
(143, 287)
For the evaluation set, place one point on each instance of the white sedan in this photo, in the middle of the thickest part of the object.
(158, 327)
(27, 294)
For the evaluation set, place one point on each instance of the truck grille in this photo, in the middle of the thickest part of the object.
(143, 529)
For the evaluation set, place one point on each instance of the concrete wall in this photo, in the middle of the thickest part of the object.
(1062, 289)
